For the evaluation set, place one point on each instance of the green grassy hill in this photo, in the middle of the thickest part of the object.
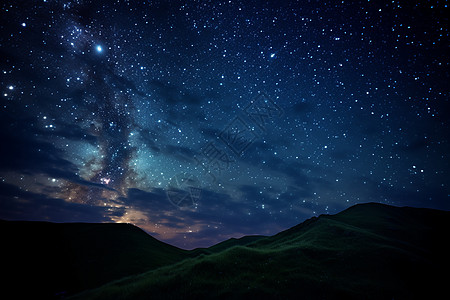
(243, 241)
(369, 251)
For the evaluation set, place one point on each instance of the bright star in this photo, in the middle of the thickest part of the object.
(99, 48)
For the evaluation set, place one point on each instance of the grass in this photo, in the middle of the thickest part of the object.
(367, 252)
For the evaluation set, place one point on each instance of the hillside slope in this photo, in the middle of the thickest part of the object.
(369, 251)
(51, 260)
(232, 242)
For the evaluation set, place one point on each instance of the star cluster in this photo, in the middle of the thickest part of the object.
(272, 112)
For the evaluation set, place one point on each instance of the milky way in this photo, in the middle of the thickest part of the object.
(199, 121)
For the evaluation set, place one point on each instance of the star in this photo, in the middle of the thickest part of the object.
(337, 110)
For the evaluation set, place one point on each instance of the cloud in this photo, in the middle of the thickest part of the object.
(296, 172)
(180, 153)
(218, 216)
(154, 201)
(17, 204)
(26, 151)
(210, 133)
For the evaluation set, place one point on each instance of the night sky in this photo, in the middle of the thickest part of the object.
(204, 120)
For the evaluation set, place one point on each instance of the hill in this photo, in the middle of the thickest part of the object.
(369, 251)
(51, 260)
(232, 242)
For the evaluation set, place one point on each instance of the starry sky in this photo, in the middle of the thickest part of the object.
(204, 120)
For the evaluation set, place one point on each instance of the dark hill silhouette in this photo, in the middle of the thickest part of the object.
(368, 251)
(57, 259)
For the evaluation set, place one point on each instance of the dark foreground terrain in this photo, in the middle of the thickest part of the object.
(369, 251)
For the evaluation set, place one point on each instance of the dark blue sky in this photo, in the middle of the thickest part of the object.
(204, 120)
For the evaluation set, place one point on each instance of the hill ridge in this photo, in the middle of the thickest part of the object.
(369, 251)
